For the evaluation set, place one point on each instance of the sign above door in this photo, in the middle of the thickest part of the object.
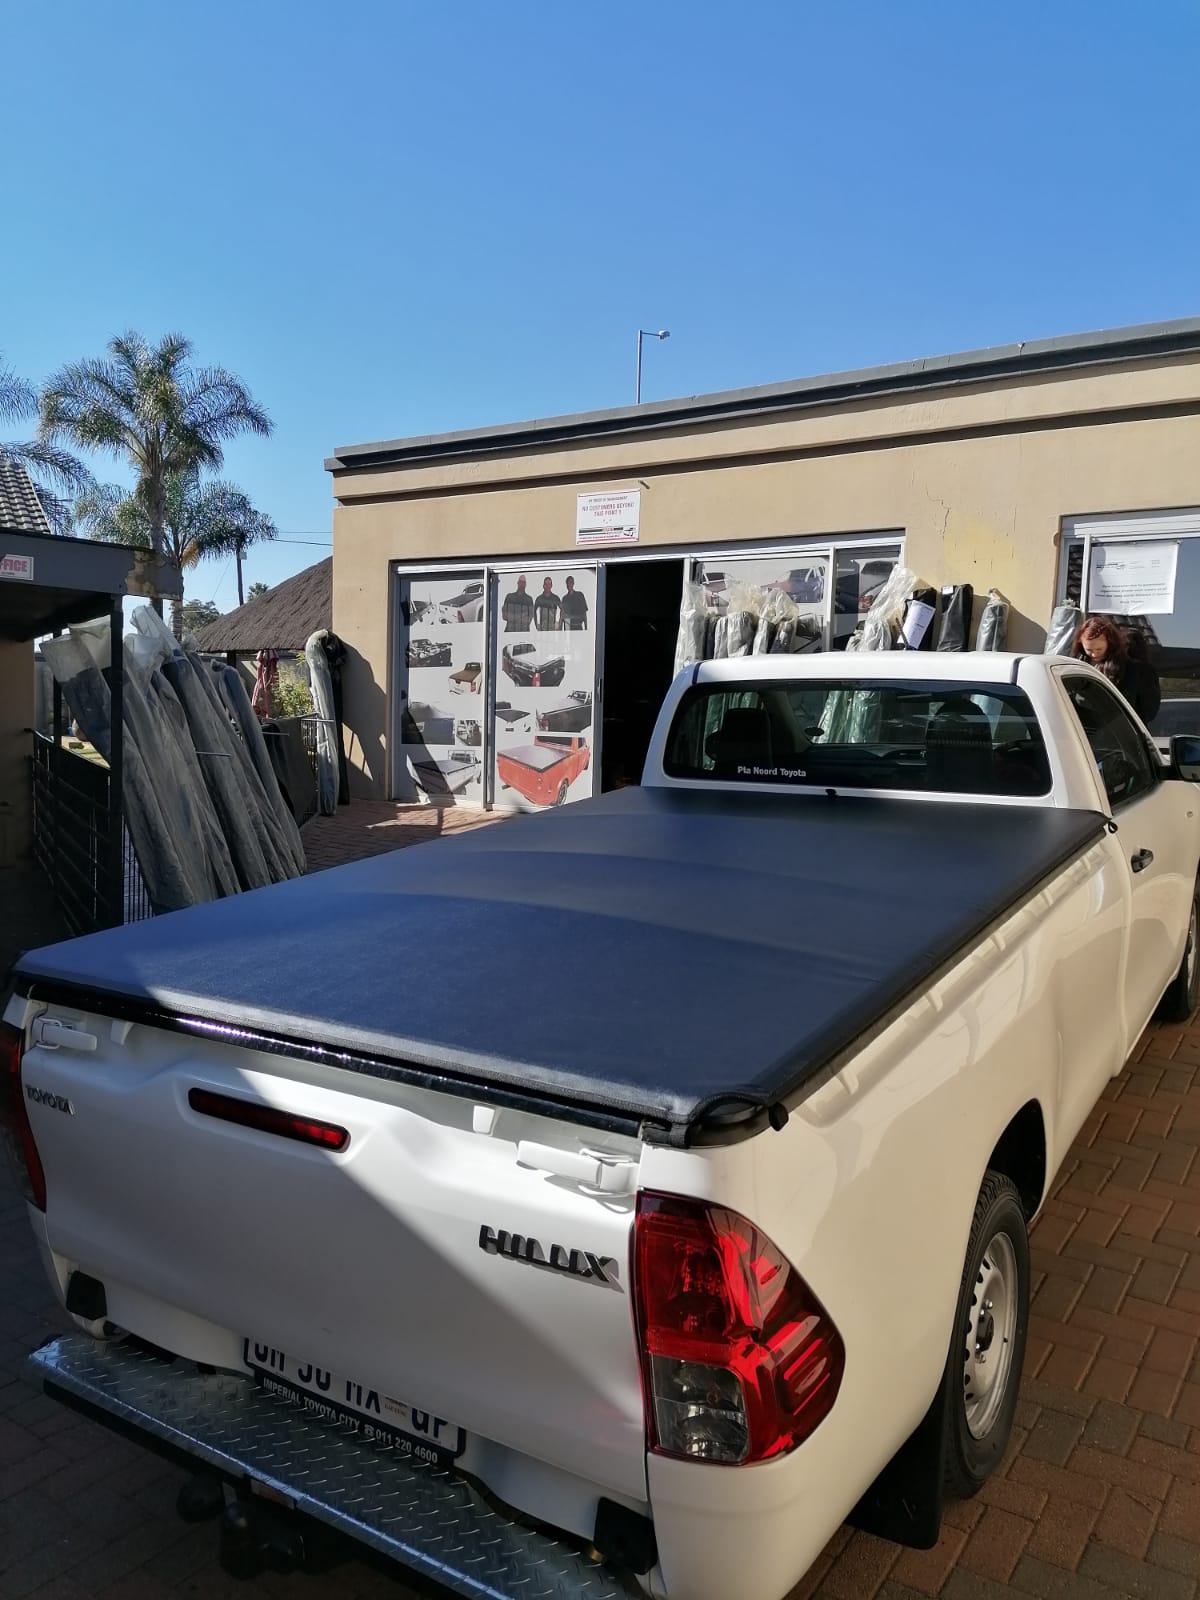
(610, 518)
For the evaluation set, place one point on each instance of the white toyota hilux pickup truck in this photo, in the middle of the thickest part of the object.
(618, 1199)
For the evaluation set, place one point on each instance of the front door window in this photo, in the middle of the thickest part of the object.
(1150, 587)
(544, 670)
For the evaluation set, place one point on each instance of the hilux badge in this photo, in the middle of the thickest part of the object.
(558, 1258)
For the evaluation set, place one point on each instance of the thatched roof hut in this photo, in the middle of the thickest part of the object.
(281, 619)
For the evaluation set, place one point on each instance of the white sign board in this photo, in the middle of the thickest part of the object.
(16, 569)
(1135, 579)
(612, 518)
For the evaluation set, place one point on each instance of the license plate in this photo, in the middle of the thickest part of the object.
(377, 1416)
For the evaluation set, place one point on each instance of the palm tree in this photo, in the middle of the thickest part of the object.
(50, 467)
(147, 405)
(199, 519)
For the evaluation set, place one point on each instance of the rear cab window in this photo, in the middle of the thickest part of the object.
(948, 738)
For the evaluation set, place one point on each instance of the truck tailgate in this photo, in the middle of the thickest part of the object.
(421, 1263)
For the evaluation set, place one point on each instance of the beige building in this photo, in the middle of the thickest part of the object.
(1065, 468)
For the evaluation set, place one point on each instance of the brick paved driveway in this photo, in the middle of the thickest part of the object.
(1099, 1496)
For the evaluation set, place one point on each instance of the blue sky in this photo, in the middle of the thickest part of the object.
(394, 218)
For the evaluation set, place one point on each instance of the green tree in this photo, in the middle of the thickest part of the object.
(53, 469)
(255, 589)
(199, 519)
(148, 406)
(197, 614)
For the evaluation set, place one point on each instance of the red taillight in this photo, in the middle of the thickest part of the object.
(267, 1119)
(14, 1119)
(537, 680)
(740, 1361)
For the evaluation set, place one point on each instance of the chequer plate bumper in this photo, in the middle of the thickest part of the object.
(428, 1519)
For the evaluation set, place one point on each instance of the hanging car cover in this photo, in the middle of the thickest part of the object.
(916, 628)
(1065, 622)
(955, 629)
(993, 625)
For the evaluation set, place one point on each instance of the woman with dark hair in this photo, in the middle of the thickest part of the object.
(1102, 643)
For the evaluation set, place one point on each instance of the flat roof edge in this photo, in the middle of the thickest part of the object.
(1179, 337)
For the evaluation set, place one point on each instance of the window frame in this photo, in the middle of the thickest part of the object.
(1099, 685)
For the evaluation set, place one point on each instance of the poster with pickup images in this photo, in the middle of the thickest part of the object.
(544, 671)
(441, 686)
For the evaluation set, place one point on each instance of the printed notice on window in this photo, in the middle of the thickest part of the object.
(613, 518)
(1133, 579)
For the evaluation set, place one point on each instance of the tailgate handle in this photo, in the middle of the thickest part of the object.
(591, 1168)
(55, 1035)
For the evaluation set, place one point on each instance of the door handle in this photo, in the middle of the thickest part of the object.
(1141, 859)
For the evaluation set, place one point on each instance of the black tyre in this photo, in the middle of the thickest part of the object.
(1179, 1002)
(560, 797)
(983, 1372)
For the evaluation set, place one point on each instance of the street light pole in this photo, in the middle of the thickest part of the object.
(645, 333)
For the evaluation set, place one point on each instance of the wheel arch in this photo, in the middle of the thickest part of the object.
(1020, 1154)
(904, 1504)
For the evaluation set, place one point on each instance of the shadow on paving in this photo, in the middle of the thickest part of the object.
(28, 915)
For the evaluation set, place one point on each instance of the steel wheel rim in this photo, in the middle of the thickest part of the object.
(990, 1336)
(1190, 953)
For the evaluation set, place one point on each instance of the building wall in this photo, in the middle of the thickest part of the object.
(979, 478)
(16, 717)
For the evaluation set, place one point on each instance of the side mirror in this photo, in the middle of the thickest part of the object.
(1185, 757)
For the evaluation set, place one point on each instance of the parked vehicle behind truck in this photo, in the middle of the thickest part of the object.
(718, 1236)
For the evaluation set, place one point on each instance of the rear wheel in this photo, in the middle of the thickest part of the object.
(1179, 1002)
(983, 1373)
(561, 796)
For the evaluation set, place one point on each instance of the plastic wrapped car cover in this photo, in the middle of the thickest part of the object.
(691, 644)
(735, 634)
(208, 728)
(156, 720)
(202, 818)
(851, 716)
(764, 636)
(883, 619)
(164, 812)
(916, 625)
(237, 704)
(784, 642)
(993, 624)
(322, 693)
(955, 629)
(1065, 623)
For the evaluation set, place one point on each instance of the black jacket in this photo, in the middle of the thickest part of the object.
(1139, 684)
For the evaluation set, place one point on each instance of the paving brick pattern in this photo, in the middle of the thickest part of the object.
(1099, 1496)
(371, 827)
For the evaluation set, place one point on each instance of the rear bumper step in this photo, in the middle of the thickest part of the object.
(429, 1520)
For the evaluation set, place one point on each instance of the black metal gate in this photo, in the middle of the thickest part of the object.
(95, 884)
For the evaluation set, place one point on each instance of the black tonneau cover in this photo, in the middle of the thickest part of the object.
(690, 948)
(537, 757)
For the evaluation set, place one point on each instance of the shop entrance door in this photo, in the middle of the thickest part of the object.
(641, 622)
(438, 737)
(543, 684)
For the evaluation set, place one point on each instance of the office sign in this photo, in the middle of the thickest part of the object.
(610, 518)
(16, 569)
(1134, 579)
